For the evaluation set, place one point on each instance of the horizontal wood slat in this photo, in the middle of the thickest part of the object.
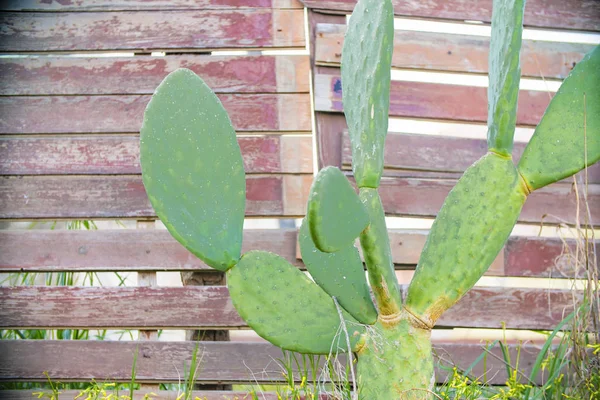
(457, 53)
(27, 307)
(121, 250)
(151, 30)
(556, 14)
(131, 5)
(124, 114)
(108, 154)
(422, 197)
(408, 155)
(114, 197)
(221, 362)
(142, 74)
(145, 394)
(434, 100)
(135, 250)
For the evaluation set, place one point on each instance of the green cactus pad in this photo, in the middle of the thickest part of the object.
(192, 169)
(571, 124)
(366, 66)
(341, 275)
(467, 235)
(335, 214)
(285, 307)
(505, 74)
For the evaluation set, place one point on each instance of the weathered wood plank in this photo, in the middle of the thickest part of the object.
(433, 100)
(151, 30)
(422, 197)
(25, 307)
(88, 197)
(409, 155)
(124, 114)
(133, 250)
(142, 74)
(132, 5)
(556, 14)
(221, 362)
(108, 154)
(457, 53)
(121, 250)
(154, 394)
(544, 257)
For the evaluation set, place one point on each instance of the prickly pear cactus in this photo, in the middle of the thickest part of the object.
(193, 173)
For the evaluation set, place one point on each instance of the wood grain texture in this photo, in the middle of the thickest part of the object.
(134, 250)
(222, 362)
(154, 394)
(121, 250)
(409, 155)
(45, 307)
(556, 14)
(142, 74)
(151, 30)
(115, 197)
(424, 197)
(545, 257)
(131, 5)
(456, 53)
(119, 154)
(124, 114)
(434, 100)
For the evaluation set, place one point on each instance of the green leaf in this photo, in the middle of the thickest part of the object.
(192, 169)
(570, 126)
(472, 226)
(286, 308)
(341, 275)
(504, 74)
(366, 74)
(335, 213)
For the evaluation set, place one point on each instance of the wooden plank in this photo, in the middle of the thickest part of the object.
(434, 100)
(545, 257)
(424, 198)
(114, 197)
(133, 250)
(119, 154)
(46, 307)
(408, 155)
(132, 5)
(456, 53)
(142, 74)
(121, 250)
(556, 14)
(25, 360)
(124, 114)
(151, 30)
(154, 394)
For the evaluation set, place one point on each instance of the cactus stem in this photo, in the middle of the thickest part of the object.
(506, 156)
(415, 321)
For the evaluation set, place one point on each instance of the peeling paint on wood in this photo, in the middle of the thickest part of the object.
(114, 155)
(457, 53)
(434, 100)
(115, 197)
(222, 362)
(124, 114)
(555, 14)
(151, 30)
(133, 5)
(158, 307)
(142, 74)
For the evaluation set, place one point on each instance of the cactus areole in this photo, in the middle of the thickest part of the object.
(193, 172)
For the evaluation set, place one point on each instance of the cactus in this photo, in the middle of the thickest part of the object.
(193, 174)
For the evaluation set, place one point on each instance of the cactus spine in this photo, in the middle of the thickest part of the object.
(193, 173)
